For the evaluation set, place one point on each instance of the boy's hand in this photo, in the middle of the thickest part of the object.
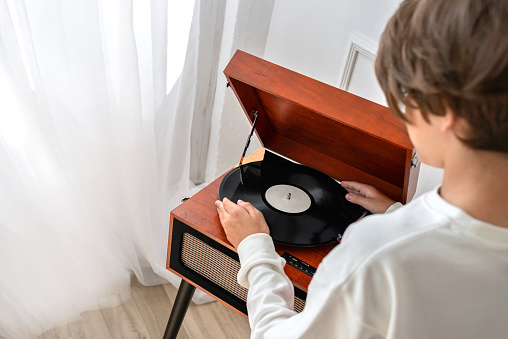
(240, 220)
(367, 196)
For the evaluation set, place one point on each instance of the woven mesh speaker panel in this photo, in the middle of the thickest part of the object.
(299, 304)
(217, 267)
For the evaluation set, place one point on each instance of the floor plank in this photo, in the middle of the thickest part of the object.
(91, 326)
(211, 320)
(62, 332)
(128, 320)
(154, 305)
(145, 315)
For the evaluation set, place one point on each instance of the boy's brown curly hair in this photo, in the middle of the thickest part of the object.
(436, 55)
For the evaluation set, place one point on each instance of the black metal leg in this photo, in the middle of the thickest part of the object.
(182, 301)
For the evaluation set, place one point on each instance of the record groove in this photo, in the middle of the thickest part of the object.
(329, 212)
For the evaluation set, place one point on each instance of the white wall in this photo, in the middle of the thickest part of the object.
(313, 38)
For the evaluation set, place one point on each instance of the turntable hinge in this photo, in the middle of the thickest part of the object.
(415, 161)
(227, 84)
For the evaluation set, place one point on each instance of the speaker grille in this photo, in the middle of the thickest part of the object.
(217, 267)
(299, 304)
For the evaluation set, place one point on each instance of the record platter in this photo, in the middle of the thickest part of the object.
(302, 206)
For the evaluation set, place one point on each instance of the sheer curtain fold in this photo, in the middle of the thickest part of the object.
(93, 155)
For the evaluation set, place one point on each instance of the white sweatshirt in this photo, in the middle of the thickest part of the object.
(425, 270)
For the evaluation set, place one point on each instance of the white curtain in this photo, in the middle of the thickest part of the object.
(93, 154)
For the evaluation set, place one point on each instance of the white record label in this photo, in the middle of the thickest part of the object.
(287, 198)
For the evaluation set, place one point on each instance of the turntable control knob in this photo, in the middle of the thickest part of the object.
(288, 197)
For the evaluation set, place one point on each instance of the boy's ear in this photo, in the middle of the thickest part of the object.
(449, 121)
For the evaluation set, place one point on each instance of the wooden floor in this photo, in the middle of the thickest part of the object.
(145, 315)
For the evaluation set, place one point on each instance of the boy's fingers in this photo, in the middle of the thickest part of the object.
(358, 199)
(357, 187)
(221, 209)
(221, 216)
(235, 210)
(350, 190)
(247, 206)
(228, 205)
(352, 185)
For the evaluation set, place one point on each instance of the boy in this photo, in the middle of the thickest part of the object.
(438, 267)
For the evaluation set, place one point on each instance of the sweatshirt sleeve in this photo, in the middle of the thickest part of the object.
(271, 294)
(254, 250)
(329, 310)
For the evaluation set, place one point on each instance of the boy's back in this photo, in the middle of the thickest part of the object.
(420, 272)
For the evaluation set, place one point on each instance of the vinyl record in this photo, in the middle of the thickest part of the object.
(302, 206)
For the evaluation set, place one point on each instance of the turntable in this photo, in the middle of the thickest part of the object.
(312, 135)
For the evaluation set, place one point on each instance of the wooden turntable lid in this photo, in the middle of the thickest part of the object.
(318, 125)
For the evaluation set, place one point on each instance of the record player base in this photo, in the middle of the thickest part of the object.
(199, 253)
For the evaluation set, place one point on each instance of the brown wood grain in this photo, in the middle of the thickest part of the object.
(318, 125)
(347, 144)
(316, 96)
